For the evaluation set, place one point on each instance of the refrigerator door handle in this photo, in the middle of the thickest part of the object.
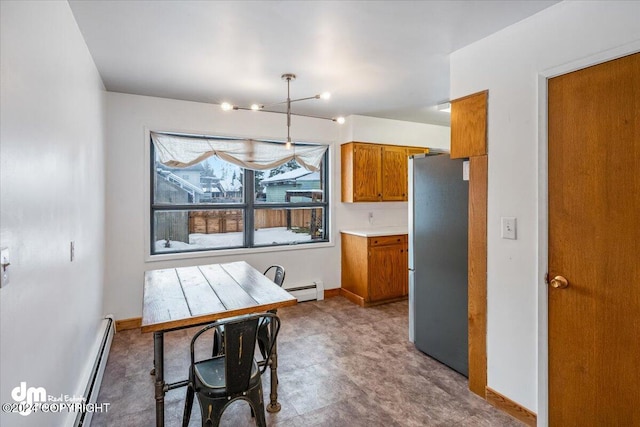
(411, 213)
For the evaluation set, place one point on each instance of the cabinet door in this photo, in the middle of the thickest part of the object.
(388, 272)
(367, 163)
(469, 126)
(394, 173)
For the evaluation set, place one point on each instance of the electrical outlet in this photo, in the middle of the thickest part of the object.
(508, 229)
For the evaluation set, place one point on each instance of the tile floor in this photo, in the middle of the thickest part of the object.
(339, 365)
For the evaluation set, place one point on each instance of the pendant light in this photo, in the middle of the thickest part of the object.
(257, 107)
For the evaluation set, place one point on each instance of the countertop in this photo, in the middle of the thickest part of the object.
(377, 231)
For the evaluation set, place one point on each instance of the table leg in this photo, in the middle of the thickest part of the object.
(273, 405)
(158, 356)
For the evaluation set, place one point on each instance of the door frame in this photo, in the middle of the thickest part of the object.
(543, 206)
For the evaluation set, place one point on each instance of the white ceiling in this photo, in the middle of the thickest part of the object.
(378, 58)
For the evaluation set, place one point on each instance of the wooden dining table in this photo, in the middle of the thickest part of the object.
(179, 298)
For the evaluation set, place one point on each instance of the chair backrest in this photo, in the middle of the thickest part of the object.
(240, 335)
(239, 345)
(278, 277)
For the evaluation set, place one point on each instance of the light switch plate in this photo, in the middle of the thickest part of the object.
(508, 228)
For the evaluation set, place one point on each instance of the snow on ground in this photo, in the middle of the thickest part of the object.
(263, 236)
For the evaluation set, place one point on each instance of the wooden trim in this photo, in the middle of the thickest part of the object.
(126, 324)
(478, 170)
(330, 293)
(385, 301)
(356, 299)
(510, 407)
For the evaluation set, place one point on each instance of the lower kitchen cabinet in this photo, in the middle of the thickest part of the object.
(374, 269)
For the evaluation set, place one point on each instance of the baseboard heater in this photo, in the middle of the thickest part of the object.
(311, 292)
(95, 377)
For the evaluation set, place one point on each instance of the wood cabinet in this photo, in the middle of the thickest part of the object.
(374, 269)
(469, 140)
(469, 126)
(361, 172)
(394, 173)
(375, 172)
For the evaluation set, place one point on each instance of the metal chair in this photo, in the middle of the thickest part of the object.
(220, 380)
(263, 331)
(278, 277)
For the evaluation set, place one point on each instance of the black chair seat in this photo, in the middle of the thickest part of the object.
(210, 376)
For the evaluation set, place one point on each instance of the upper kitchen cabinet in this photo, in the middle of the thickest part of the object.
(394, 173)
(361, 172)
(469, 126)
(375, 172)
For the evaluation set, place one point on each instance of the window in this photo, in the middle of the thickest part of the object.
(215, 204)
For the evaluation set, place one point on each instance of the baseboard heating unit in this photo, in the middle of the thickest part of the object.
(311, 292)
(95, 378)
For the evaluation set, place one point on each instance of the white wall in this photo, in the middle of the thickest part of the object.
(52, 192)
(394, 132)
(509, 64)
(129, 117)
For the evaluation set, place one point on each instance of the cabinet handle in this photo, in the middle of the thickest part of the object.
(401, 250)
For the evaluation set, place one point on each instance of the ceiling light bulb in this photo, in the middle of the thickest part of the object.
(288, 145)
(325, 95)
(226, 106)
(340, 120)
(255, 107)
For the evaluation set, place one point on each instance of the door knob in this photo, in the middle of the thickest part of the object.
(559, 282)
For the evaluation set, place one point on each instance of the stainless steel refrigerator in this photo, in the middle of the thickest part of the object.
(438, 242)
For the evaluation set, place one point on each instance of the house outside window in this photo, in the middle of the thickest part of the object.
(215, 204)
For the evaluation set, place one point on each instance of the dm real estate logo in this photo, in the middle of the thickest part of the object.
(35, 399)
(28, 398)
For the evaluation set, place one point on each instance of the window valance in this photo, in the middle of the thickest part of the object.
(184, 151)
